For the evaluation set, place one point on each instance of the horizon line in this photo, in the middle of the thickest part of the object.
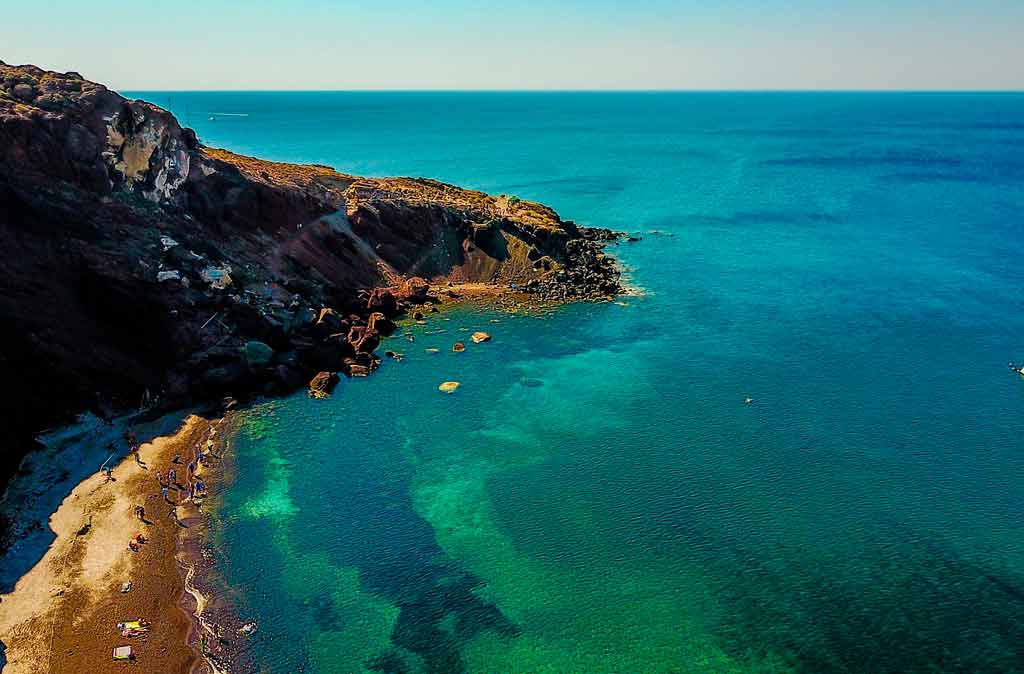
(581, 91)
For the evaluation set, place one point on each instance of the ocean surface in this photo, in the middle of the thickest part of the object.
(597, 497)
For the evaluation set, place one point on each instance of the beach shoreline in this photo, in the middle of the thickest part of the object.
(63, 614)
(217, 632)
(195, 628)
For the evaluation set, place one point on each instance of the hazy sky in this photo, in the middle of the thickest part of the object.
(524, 44)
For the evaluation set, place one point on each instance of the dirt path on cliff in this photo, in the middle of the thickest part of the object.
(62, 615)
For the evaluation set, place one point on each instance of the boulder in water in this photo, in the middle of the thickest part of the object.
(459, 347)
(448, 387)
(321, 385)
(479, 337)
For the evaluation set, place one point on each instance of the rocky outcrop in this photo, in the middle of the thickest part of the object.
(322, 383)
(141, 267)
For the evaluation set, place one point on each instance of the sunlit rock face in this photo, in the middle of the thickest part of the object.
(139, 263)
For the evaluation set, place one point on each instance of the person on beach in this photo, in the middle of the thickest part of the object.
(174, 516)
(172, 476)
(140, 512)
(165, 491)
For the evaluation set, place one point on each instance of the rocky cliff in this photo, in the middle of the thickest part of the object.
(140, 267)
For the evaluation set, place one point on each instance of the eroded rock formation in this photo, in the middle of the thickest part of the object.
(140, 266)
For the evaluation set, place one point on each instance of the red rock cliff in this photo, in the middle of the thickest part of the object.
(138, 263)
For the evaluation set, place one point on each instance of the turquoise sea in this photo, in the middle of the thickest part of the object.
(597, 497)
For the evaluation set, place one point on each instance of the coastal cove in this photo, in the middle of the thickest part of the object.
(596, 496)
(796, 448)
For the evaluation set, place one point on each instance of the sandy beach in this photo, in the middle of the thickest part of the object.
(63, 615)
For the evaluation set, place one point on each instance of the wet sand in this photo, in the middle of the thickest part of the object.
(62, 615)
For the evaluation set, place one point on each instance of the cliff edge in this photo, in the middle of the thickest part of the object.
(140, 267)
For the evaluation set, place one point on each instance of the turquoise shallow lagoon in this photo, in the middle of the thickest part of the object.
(597, 497)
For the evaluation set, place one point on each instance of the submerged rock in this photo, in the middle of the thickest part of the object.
(448, 387)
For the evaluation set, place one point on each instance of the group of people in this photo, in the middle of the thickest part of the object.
(194, 487)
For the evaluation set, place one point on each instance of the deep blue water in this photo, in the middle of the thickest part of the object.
(597, 497)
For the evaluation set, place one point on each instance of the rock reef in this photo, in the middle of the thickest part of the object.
(142, 268)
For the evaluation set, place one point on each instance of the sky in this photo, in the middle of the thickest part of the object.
(523, 44)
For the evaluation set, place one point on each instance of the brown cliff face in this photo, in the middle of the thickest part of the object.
(137, 263)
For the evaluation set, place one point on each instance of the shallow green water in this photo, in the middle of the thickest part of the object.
(597, 497)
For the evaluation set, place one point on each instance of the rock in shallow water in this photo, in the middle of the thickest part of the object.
(321, 385)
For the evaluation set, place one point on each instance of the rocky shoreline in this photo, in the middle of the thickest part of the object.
(146, 270)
